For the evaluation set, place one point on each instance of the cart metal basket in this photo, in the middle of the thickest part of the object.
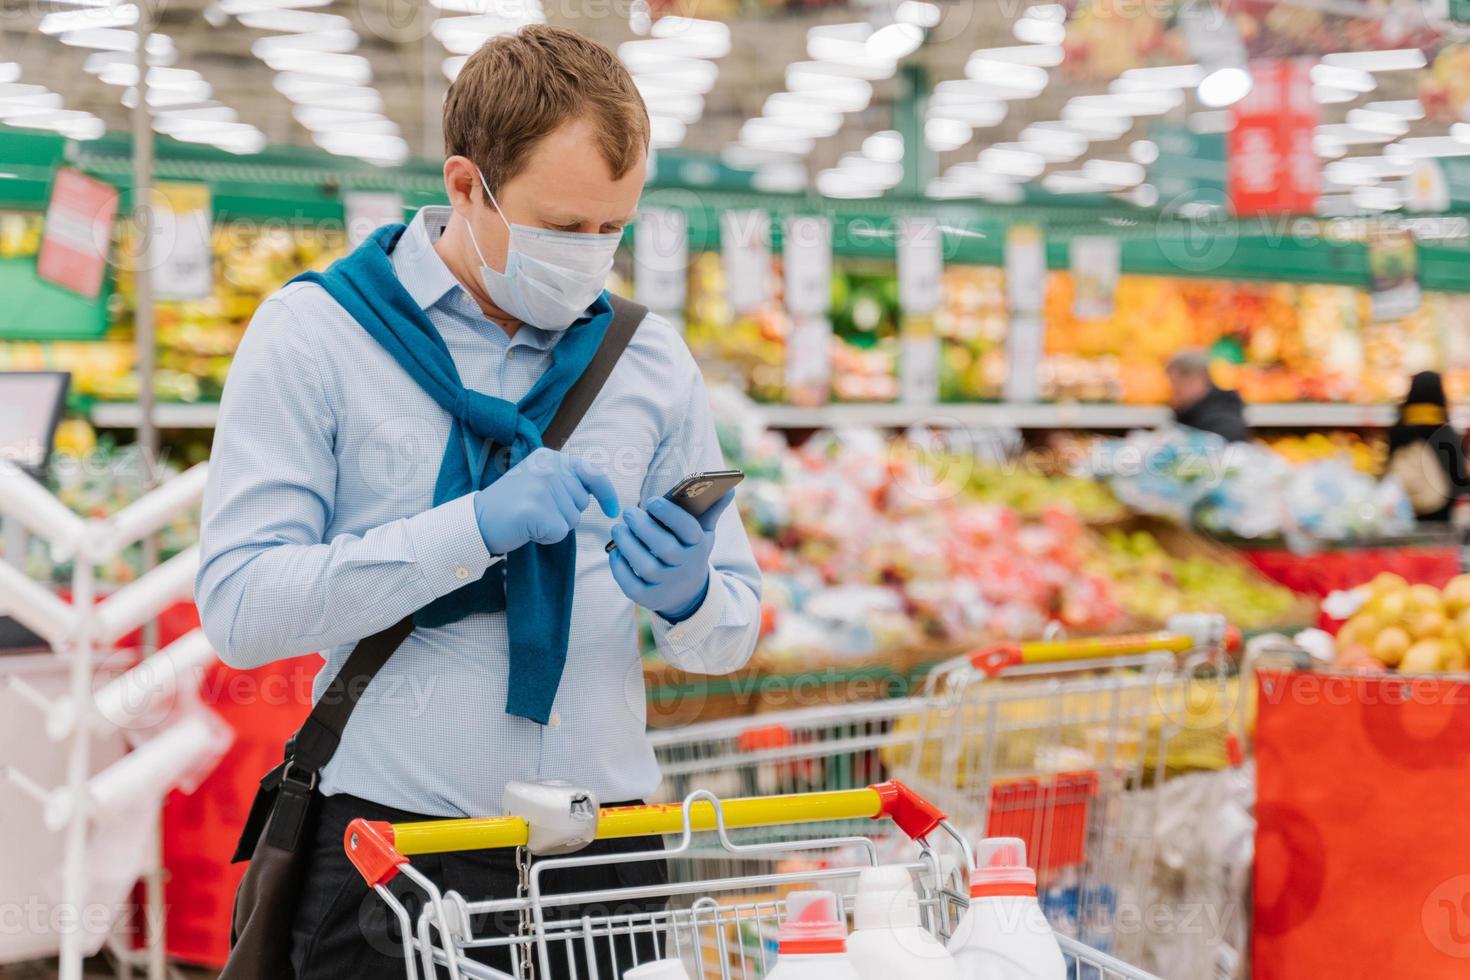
(722, 927)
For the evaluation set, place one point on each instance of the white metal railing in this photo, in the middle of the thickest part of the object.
(76, 631)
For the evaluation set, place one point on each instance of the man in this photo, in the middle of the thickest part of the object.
(326, 519)
(1198, 404)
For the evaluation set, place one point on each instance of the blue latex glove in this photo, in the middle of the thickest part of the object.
(540, 499)
(666, 568)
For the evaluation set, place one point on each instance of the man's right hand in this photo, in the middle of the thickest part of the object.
(540, 500)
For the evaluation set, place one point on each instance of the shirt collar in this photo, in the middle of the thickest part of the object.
(420, 269)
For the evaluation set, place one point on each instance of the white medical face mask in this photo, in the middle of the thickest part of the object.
(550, 277)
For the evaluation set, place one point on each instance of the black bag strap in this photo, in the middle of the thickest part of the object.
(316, 742)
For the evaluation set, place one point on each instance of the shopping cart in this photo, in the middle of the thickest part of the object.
(1061, 743)
(719, 928)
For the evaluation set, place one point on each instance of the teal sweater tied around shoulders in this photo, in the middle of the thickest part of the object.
(487, 435)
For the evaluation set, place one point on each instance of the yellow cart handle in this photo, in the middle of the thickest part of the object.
(378, 848)
(993, 660)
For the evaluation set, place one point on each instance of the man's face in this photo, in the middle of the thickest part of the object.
(1187, 388)
(566, 185)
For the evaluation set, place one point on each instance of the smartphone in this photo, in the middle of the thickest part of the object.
(698, 492)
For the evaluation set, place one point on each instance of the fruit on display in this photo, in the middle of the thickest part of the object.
(1412, 628)
(1032, 493)
(746, 349)
(20, 235)
(971, 325)
(1444, 90)
(865, 318)
(1152, 584)
(1366, 454)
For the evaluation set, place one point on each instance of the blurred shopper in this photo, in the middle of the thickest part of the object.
(1199, 404)
(379, 461)
(1425, 453)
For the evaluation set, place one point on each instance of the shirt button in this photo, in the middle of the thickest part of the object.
(510, 354)
(676, 634)
(556, 719)
(461, 572)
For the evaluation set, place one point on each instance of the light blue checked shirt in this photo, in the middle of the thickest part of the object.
(319, 530)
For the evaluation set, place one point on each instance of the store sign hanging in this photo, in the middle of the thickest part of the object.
(1272, 158)
(745, 247)
(1393, 270)
(183, 257)
(1097, 261)
(366, 211)
(661, 260)
(1026, 297)
(806, 250)
(77, 232)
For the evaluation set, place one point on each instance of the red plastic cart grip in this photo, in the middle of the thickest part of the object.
(369, 846)
(993, 660)
(909, 811)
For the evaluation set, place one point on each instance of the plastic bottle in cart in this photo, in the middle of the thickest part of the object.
(812, 943)
(1004, 935)
(658, 970)
(887, 938)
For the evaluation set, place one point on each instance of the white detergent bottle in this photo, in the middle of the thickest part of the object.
(812, 943)
(658, 970)
(1004, 935)
(887, 940)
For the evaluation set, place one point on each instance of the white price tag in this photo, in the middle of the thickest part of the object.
(1097, 261)
(745, 246)
(1025, 269)
(807, 252)
(920, 264)
(183, 257)
(661, 259)
(809, 361)
(367, 211)
(1025, 342)
(918, 369)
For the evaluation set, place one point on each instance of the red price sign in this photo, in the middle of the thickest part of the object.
(78, 231)
(1273, 163)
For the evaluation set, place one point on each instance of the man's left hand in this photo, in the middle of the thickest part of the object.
(663, 564)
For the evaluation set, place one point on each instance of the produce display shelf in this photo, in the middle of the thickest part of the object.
(977, 415)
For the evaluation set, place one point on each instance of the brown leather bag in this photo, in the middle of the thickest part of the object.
(283, 815)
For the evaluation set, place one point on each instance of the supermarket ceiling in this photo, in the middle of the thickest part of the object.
(1057, 94)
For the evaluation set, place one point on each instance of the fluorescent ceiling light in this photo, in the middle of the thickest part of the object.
(794, 104)
(1143, 196)
(918, 12)
(838, 42)
(1461, 132)
(1012, 159)
(320, 117)
(237, 7)
(166, 97)
(214, 113)
(119, 15)
(883, 173)
(1116, 173)
(1028, 78)
(1354, 79)
(1056, 145)
(739, 156)
(1411, 109)
(975, 113)
(943, 135)
(1328, 147)
(1053, 12)
(1352, 135)
(465, 35)
(125, 73)
(1072, 182)
(353, 69)
(20, 91)
(244, 143)
(453, 66)
(815, 124)
(1378, 198)
(1036, 55)
(374, 149)
(835, 183)
(42, 104)
(885, 146)
(1422, 147)
(785, 177)
(1209, 122)
(686, 107)
(174, 125)
(1330, 95)
(634, 53)
(895, 41)
(287, 21)
(989, 87)
(1034, 30)
(689, 73)
(337, 42)
(699, 35)
(1143, 151)
(99, 61)
(1401, 59)
(793, 145)
(1351, 173)
(1224, 87)
(10, 72)
(1132, 104)
(1378, 122)
(530, 11)
(1162, 77)
(160, 46)
(834, 98)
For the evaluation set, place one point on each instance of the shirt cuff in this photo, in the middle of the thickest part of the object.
(448, 547)
(683, 643)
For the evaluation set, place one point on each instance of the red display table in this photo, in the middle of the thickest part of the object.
(1362, 783)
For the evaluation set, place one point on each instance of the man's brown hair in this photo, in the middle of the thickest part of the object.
(518, 87)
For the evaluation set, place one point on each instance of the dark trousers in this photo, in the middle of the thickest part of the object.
(344, 930)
